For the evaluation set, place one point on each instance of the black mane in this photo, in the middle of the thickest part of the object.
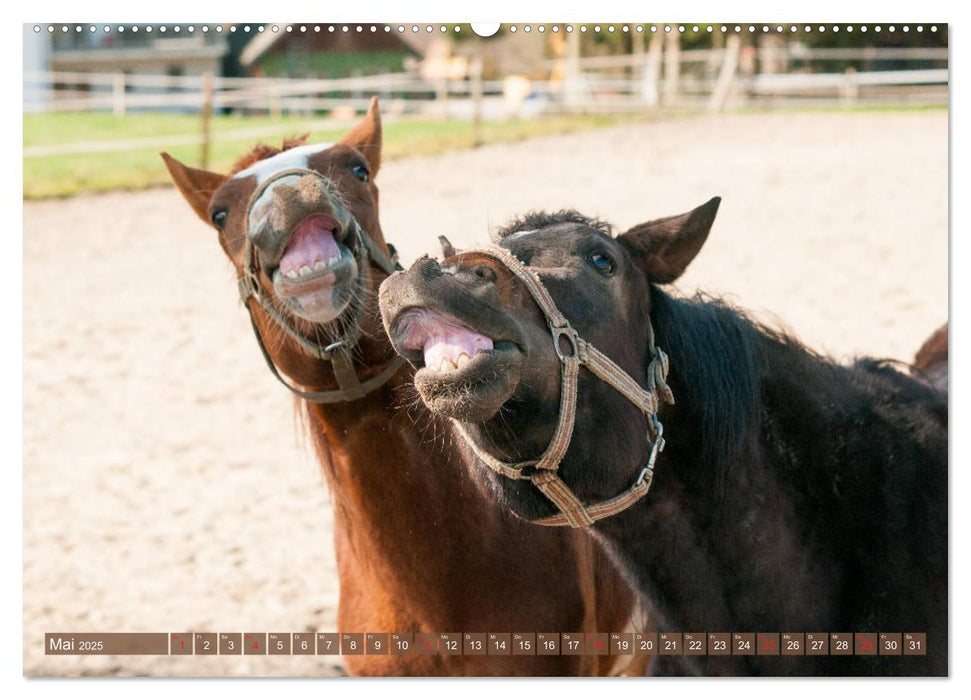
(533, 220)
(715, 370)
(788, 478)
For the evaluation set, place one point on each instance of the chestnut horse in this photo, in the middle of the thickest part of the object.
(794, 494)
(418, 548)
(930, 362)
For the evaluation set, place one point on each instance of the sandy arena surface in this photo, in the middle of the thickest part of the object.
(166, 485)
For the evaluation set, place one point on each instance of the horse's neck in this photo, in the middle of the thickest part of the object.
(749, 496)
(377, 445)
(703, 560)
(658, 544)
(718, 532)
(412, 528)
(395, 476)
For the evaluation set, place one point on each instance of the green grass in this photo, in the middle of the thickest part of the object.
(72, 174)
(333, 65)
(70, 127)
(67, 175)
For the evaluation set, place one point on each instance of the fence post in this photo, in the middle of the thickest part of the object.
(715, 56)
(572, 87)
(475, 76)
(118, 94)
(206, 118)
(850, 89)
(638, 66)
(652, 72)
(385, 91)
(441, 96)
(726, 75)
(275, 108)
(672, 67)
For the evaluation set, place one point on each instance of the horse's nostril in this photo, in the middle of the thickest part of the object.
(484, 272)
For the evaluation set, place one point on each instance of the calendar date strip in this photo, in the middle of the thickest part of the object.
(488, 643)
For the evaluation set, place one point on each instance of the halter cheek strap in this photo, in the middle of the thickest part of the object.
(338, 352)
(543, 472)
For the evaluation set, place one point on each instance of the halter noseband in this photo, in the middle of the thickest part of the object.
(543, 471)
(338, 352)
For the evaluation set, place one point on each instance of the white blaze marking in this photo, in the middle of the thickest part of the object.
(292, 158)
(520, 234)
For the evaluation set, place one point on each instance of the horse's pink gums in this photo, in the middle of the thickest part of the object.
(312, 241)
(440, 338)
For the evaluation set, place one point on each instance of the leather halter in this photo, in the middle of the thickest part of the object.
(543, 471)
(337, 352)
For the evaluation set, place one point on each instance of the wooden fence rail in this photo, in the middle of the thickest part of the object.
(585, 81)
(709, 79)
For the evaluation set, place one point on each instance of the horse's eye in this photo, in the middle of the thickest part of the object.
(359, 171)
(603, 264)
(219, 218)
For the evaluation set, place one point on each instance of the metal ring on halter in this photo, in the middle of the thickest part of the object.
(571, 335)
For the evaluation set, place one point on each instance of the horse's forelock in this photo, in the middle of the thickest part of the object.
(262, 151)
(536, 220)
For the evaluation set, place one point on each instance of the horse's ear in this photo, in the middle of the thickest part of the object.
(664, 247)
(195, 185)
(366, 136)
(448, 250)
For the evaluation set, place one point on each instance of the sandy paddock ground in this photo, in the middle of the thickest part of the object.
(166, 486)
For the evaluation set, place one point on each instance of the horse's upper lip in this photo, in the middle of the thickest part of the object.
(427, 336)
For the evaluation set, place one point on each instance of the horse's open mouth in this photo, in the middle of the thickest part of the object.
(316, 272)
(461, 373)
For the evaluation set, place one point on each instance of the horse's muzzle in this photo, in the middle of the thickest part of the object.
(281, 203)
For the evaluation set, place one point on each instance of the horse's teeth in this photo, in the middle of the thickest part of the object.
(463, 361)
(333, 259)
(292, 275)
(447, 365)
(320, 265)
(304, 270)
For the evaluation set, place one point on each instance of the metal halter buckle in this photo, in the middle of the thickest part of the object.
(333, 346)
(248, 286)
(658, 446)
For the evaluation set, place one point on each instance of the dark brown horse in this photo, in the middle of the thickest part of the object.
(418, 548)
(793, 495)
